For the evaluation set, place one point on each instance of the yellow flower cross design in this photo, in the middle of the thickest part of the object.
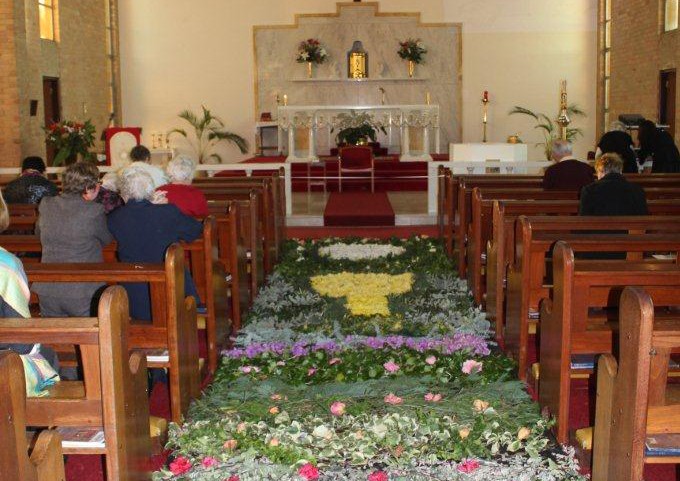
(366, 293)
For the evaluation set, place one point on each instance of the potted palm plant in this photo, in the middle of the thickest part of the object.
(549, 128)
(208, 131)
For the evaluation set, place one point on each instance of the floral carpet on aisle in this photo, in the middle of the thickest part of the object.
(365, 360)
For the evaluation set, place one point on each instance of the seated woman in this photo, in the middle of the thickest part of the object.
(190, 200)
(145, 230)
(14, 292)
(72, 228)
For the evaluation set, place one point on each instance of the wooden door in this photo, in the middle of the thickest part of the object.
(667, 99)
(52, 102)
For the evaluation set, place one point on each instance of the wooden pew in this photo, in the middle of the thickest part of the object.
(206, 270)
(458, 188)
(500, 248)
(268, 216)
(249, 230)
(113, 393)
(46, 462)
(631, 394)
(566, 328)
(528, 280)
(466, 198)
(173, 325)
(211, 283)
(233, 240)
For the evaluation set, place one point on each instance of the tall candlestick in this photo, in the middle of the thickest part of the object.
(285, 100)
(427, 98)
(485, 107)
(563, 119)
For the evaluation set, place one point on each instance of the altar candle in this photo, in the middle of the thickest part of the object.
(485, 97)
(285, 99)
(427, 98)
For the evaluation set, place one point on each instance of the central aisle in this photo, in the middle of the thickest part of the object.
(365, 360)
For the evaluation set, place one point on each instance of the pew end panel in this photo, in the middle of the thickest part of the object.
(46, 462)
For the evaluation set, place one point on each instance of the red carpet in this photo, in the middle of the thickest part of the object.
(358, 209)
(385, 232)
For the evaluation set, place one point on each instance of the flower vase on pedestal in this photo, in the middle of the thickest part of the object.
(310, 70)
(411, 68)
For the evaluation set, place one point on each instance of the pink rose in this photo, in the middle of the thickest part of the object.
(338, 408)
(335, 360)
(468, 466)
(471, 366)
(180, 465)
(311, 371)
(433, 398)
(391, 367)
(392, 399)
(378, 476)
(249, 369)
(430, 360)
(309, 472)
(209, 462)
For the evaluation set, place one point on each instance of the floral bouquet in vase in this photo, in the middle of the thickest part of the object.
(70, 139)
(311, 51)
(412, 50)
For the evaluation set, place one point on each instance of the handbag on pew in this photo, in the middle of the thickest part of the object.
(38, 372)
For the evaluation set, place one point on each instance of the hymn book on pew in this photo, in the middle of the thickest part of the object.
(663, 445)
(81, 437)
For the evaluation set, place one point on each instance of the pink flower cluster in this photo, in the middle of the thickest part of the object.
(309, 472)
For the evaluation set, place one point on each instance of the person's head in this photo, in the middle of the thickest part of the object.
(135, 184)
(610, 163)
(181, 170)
(139, 153)
(617, 126)
(646, 133)
(81, 178)
(33, 163)
(110, 181)
(4, 214)
(560, 150)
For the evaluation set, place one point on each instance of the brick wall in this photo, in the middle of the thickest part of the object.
(640, 50)
(10, 137)
(78, 58)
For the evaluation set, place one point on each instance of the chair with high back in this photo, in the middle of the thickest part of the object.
(356, 160)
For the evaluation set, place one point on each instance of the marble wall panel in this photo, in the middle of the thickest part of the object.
(277, 72)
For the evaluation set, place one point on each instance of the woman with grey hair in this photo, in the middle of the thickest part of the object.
(72, 228)
(180, 192)
(145, 230)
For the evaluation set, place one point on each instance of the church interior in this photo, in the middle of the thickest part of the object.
(328, 240)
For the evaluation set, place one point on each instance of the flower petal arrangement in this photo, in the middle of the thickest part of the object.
(372, 365)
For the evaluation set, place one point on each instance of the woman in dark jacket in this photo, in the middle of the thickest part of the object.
(618, 141)
(145, 230)
(658, 146)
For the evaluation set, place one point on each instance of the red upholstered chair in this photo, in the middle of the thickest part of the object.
(355, 160)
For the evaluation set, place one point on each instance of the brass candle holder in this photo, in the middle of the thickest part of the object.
(563, 119)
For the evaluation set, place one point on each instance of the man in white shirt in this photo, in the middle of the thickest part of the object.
(141, 159)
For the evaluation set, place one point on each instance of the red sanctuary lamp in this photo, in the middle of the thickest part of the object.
(485, 106)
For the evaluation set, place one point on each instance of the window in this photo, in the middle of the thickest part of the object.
(46, 11)
(671, 15)
(605, 59)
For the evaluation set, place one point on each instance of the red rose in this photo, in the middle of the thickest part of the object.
(309, 472)
(378, 476)
(180, 465)
(233, 478)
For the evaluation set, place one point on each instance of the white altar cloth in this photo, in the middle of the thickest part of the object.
(395, 119)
